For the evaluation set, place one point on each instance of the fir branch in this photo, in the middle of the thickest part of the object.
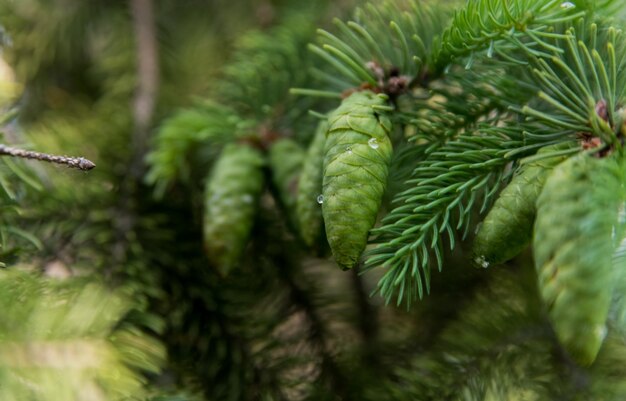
(75, 162)
(443, 191)
(581, 89)
(190, 136)
(387, 47)
(265, 65)
(453, 104)
(493, 25)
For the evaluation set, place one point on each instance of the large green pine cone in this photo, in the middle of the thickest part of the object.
(286, 158)
(577, 213)
(507, 228)
(231, 199)
(356, 163)
(310, 187)
(617, 312)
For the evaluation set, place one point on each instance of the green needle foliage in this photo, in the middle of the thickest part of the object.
(492, 26)
(406, 141)
(569, 87)
(445, 187)
(582, 83)
(389, 47)
(179, 139)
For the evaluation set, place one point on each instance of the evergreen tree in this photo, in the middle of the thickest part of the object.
(409, 200)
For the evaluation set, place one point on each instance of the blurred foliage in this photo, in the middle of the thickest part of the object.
(106, 270)
(64, 340)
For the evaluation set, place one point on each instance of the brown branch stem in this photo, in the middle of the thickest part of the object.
(143, 105)
(367, 318)
(75, 162)
(147, 75)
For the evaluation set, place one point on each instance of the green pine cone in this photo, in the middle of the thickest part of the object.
(577, 213)
(310, 188)
(356, 163)
(617, 312)
(286, 158)
(231, 198)
(507, 228)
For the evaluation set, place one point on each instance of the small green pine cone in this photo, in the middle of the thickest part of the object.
(310, 188)
(356, 163)
(285, 159)
(231, 199)
(577, 213)
(507, 228)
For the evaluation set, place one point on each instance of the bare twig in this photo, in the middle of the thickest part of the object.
(147, 74)
(75, 162)
(144, 24)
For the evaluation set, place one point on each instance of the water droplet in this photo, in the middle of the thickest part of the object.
(349, 150)
(567, 4)
(482, 262)
(247, 198)
(373, 143)
(320, 199)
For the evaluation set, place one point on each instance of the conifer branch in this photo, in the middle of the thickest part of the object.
(387, 48)
(181, 138)
(75, 162)
(265, 66)
(496, 25)
(443, 190)
(580, 89)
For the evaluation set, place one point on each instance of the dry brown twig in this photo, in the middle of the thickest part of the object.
(76, 162)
